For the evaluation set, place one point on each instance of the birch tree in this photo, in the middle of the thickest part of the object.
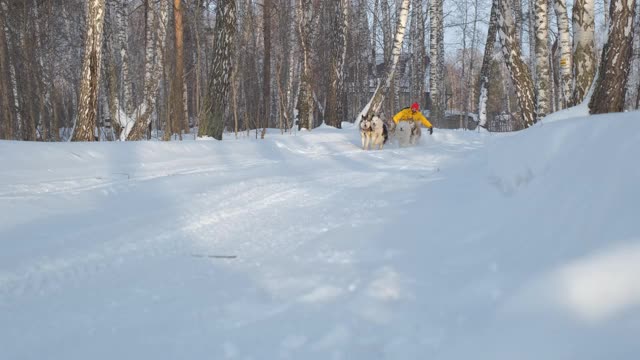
(266, 72)
(137, 130)
(483, 92)
(613, 74)
(543, 74)
(378, 97)
(221, 69)
(437, 61)
(109, 67)
(181, 112)
(88, 105)
(560, 7)
(305, 95)
(122, 40)
(584, 60)
(338, 24)
(341, 66)
(153, 69)
(518, 69)
(387, 41)
(419, 58)
(374, 25)
(466, 98)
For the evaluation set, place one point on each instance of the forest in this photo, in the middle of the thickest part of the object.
(86, 70)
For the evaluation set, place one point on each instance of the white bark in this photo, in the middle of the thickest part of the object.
(613, 73)
(419, 53)
(152, 72)
(566, 60)
(221, 70)
(342, 108)
(121, 16)
(584, 60)
(87, 109)
(292, 73)
(517, 67)
(374, 26)
(486, 63)
(468, 99)
(543, 76)
(305, 98)
(437, 62)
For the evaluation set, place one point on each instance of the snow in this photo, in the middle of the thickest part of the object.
(469, 245)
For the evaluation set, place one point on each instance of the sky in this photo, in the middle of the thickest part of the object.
(304, 246)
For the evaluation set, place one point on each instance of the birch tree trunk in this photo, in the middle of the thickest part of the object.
(42, 92)
(519, 19)
(387, 49)
(137, 130)
(543, 75)
(88, 105)
(584, 60)
(266, 72)
(611, 85)
(181, 113)
(122, 41)
(378, 97)
(153, 71)
(413, 34)
(483, 92)
(342, 92)
(605, 6)
(560, 7)
(338, 21)
(110, 66)
(517, 67)
(305, 95)
(419, 54)
(374, 26)
(291, 101)
(387, 45)
(221, 69)
(437, 62)
(467, 98)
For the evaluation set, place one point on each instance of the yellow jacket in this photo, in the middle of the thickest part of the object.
(406, 114)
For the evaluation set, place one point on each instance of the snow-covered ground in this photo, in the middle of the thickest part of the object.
(468, 246)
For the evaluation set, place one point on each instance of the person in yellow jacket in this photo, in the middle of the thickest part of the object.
(413, 113)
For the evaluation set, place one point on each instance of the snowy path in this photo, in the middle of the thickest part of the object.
(296, 247)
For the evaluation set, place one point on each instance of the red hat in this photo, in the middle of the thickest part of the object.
(415, 106)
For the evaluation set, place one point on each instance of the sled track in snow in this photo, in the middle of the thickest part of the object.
(79, 184)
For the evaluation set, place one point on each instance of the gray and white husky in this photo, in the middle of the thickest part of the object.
(373, 132)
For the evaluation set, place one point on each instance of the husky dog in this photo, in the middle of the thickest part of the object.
(365, 132)
(373, 132)
(408, 133)
(416, 133)
(380, 132)
(403, 133)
